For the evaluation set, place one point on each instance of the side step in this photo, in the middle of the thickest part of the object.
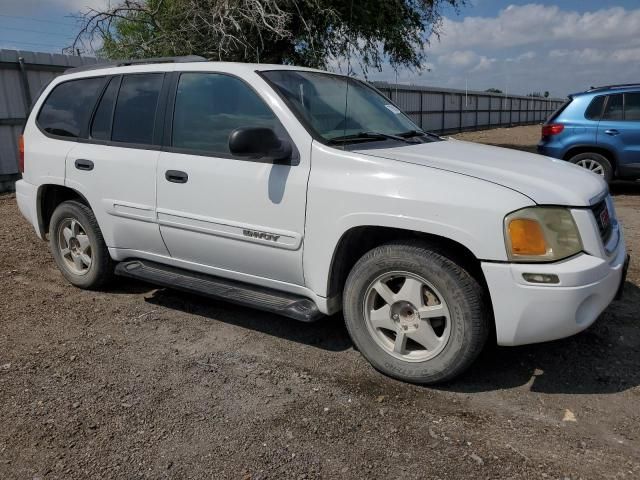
(289, 305)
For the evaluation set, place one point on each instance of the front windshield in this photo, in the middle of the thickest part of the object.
(320, 99)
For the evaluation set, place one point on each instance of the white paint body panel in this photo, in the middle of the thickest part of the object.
(452, 189)
(121, 190)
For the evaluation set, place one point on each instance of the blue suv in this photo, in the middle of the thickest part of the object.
(599, 130)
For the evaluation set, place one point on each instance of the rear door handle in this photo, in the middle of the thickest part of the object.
(612, 132)
(176, 176)
(82, 164)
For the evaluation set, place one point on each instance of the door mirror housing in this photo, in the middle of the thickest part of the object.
(260, 143)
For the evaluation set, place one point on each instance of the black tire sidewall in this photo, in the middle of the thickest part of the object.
(459, 290)
(601, 159)
(100, 269)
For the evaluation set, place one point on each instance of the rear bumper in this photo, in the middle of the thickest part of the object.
(529, 313)
(548, 150)
(26, 197)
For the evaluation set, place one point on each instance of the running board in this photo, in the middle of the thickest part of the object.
(289, 305)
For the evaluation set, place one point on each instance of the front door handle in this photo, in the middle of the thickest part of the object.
(82, 164)
(176, 176)
(612, 131)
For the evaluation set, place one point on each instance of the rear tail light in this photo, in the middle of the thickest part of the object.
(552, 129)
(21, 153)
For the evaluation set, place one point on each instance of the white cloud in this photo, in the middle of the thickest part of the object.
(536, 47)
(534, 24)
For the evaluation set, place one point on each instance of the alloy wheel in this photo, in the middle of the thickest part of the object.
(74, 246)
(591, 165)
(407, 316)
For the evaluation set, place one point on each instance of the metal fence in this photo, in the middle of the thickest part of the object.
(22, 76)
(448, 111)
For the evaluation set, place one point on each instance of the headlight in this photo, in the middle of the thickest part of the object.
(541, 234)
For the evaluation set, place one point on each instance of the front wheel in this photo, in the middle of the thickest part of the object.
(595, 163)
(414, 313)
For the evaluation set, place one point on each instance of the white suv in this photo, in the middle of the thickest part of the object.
(305, 193)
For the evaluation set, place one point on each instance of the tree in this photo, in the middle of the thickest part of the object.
(546, 94)
(302, 32)
(493, 90)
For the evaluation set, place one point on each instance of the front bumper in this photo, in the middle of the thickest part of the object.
(531, 313)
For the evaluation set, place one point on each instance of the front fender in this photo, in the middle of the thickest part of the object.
(348, 190)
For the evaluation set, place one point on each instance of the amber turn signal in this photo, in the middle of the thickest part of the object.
(527, 237)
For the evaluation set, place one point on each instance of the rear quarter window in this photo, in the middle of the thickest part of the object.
(67, 109)
(594, 110)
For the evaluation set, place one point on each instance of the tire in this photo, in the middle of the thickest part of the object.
(595, 163)
(78, 247)
(445, 288)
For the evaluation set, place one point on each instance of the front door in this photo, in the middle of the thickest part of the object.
(217, 210)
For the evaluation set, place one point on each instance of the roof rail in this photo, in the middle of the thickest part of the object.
(141, 61)
(607, 87)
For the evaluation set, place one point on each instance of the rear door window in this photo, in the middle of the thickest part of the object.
(614, 109)
(632, 106)
(67, 109)
(134, 117)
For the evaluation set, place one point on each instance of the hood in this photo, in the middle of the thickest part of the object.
(546, 181)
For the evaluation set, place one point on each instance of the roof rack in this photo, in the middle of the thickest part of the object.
(607, 87)
(142, 61)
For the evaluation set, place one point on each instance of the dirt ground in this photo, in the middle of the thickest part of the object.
(139, 382)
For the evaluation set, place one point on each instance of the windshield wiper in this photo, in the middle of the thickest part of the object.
(418, 133)
(370, 136)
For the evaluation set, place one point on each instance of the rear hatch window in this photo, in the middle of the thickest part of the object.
(557, 113)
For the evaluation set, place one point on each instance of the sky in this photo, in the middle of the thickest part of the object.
(516, 46)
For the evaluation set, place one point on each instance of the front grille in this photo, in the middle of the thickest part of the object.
(603, 219)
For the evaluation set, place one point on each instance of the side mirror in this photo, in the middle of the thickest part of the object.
(259, 143)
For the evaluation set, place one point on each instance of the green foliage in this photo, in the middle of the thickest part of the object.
(302, 32)
(493, 90)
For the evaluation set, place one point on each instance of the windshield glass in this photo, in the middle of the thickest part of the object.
(320, 99)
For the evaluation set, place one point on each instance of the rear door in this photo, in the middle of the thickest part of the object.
(114, 167)
(237, 215)
(619, 129)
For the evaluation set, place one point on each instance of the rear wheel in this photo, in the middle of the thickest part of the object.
(415, 314)
(595, 163)
(78, 247)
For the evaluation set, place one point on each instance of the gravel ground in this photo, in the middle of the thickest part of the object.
(139, 382)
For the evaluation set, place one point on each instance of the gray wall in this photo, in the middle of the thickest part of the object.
(20, 84)
(441, 110)
(24, 74)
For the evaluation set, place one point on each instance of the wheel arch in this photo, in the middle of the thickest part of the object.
(357, 241)
(605, 152)
(49, 197)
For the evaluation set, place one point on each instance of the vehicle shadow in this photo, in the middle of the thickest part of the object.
(524, 148)
(621, 187)
(327, 333)
(603, 359)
